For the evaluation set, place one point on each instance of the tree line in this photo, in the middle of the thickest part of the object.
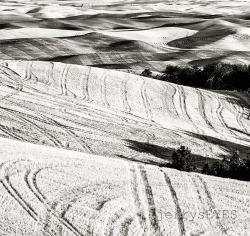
(217, 76)
(234, 167)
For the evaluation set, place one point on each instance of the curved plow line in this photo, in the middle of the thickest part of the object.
(165, 91)
(70, 199)
(211, 203)
(30, 179)
(62, 80)
(55, 123)
(9, 95)
(149, 136)
(239, 110)
(27, 75)
(181, 225)
(219, 114)
(25, 120)
(138, 199)
(202, 109)
(103, 90)
(84, 84)
(27, 115)
(232, 110)
(113, 220)
(11, 74)
(83, 144)
(116, 116)
(36, 118)
(11, 135)
(200, 199)
(150, 202)
(94, 110)
(127, 108)
(182, 99)
(123, 224)
(240, 115)
(50, 76)
(7, 71)
(109, 213)
(71, 133)
(145, 101)
(18, 198)
(14, 194)
(177, 94)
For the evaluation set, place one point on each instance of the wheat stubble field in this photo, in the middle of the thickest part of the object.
(83, 137)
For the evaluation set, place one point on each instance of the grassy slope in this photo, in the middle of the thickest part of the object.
(92, 110)
(72, 193)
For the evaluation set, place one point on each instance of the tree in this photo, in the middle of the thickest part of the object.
(206, 169)
(224, 168)
(215, 168)
(183, 160)
(146, 73)
(235, 167)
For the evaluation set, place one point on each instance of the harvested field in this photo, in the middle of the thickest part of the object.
(84, 137)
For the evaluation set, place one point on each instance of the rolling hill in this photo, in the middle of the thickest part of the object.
(109, 34)
(84, 138)
(58, 192)
(93, 109)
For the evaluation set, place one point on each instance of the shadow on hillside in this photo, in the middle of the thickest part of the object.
(227, 145)
(150, 162)
(163, 153)
(240, 131)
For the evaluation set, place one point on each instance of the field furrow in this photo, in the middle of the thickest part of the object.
(127, 108)
(202, 105)
(154, 227)
(177, 206)
(148, 110)
(30, 178)
(137, 199)
(211, 205)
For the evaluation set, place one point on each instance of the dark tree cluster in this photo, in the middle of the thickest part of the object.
(147, 73)
(217, 76)
(183, 160)
(235, 168)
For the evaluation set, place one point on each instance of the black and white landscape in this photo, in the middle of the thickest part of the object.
(124, 117)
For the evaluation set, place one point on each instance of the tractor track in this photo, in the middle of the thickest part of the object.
(146, 104)
(30, 179)
(24, 119)
(211, 203)
(180, 219)
(21, 202)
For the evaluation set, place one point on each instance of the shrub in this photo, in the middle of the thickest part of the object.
(206, 169)
(146, 73)
(183, 160)
(235, 167)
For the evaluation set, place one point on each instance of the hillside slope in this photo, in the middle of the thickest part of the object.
(49, 191)
(118, 114)
(126, 35)
(84, 145)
